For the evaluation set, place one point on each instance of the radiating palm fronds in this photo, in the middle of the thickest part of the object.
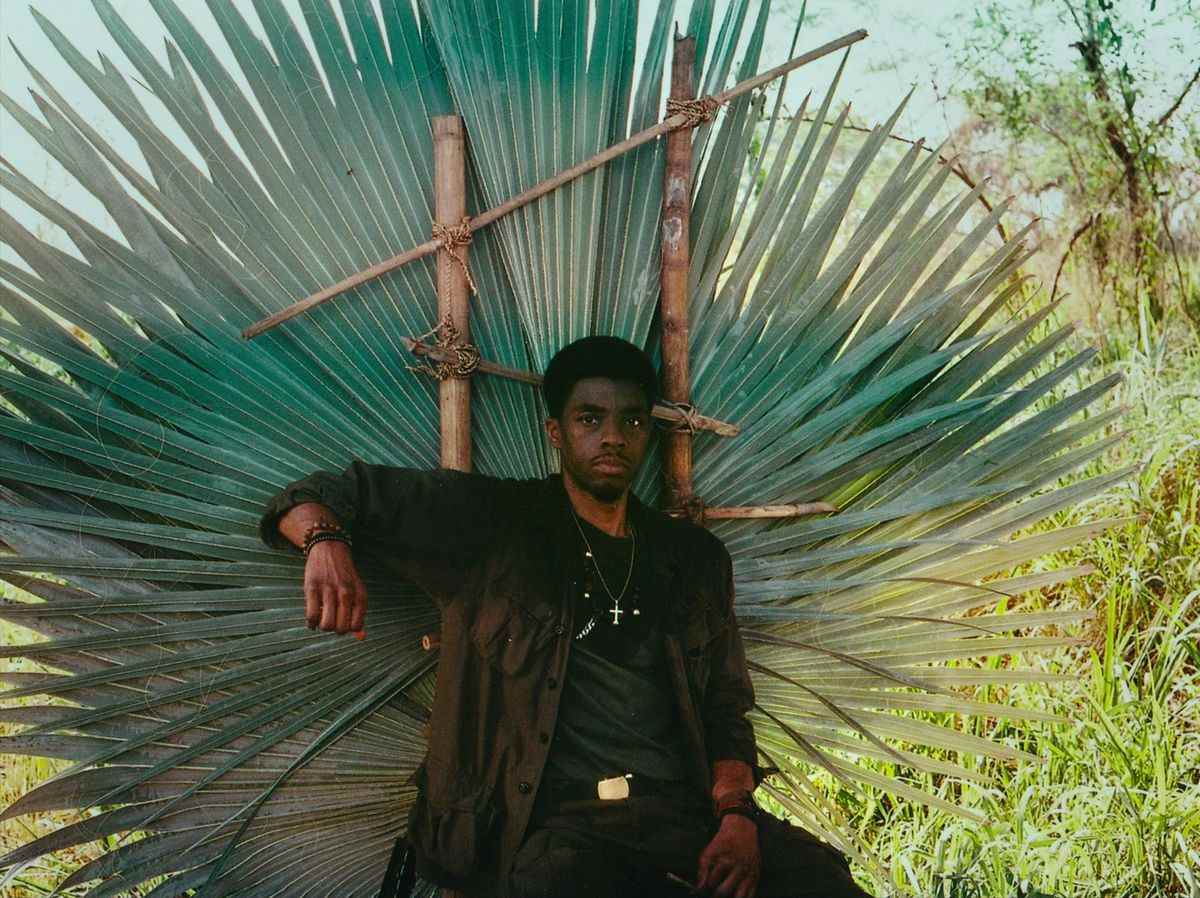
(864, 340)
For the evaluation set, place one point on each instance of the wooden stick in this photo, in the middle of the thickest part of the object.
(546, 186)
(673, 296)
(450, 208)
(768, 511)
(661, 412)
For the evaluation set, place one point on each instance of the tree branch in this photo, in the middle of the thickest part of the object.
(1183, 291)
(1162, 119)
(1079, 232)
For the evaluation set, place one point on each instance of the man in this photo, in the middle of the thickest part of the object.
(589, 732)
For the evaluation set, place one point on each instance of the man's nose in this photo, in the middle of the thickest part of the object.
(611, 433)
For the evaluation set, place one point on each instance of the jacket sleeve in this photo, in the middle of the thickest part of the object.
(430, 524)
(729, 697)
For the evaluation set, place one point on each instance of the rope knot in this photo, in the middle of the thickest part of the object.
(453, 238)
(447, 338)
(690, 418)
(695, 112)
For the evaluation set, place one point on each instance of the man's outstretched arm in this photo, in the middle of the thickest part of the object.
(429, 525)
(334, 595)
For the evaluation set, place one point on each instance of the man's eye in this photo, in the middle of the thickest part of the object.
(637, 421)
(587, 419)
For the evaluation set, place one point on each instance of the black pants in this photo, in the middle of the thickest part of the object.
(624, 849)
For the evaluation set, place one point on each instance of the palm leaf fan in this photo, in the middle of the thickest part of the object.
(865, 344)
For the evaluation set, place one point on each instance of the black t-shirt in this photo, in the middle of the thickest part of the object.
(617, 714)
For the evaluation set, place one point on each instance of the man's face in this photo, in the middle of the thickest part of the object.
(602, 435)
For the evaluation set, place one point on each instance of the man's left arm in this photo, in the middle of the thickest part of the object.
(730, 865)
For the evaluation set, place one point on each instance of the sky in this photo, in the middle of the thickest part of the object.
(907, 48)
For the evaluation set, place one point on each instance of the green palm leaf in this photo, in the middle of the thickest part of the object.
(861, 338)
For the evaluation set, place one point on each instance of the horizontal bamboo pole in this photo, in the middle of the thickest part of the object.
(767, 511)
(550, 184)
(661, 412)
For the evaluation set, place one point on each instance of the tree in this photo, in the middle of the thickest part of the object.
(1089, 108)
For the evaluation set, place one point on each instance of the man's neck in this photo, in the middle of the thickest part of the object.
(607, 516)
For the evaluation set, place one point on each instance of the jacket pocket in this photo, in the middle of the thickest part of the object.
(508, 634)
(453, 836)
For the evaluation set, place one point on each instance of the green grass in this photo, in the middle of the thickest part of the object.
(1114, 808)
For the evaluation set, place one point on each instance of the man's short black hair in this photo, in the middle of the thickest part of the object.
(598, 356)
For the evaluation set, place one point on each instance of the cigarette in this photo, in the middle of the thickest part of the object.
(679, 880)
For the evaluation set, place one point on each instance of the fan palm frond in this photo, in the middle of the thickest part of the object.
(865, 345)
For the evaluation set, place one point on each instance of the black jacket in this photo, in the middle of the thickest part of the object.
(492, 555)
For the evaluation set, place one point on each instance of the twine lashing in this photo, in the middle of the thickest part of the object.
(690, 422)
(452, 237)
(446, 338)
(695, 112)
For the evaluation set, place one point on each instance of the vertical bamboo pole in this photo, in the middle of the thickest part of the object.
(450, 206)
(673, 303)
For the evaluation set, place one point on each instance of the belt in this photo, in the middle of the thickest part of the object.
(614, 788)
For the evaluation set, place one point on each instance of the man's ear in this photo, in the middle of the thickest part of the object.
(554, 432)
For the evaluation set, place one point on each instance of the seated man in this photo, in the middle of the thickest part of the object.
(589, 733)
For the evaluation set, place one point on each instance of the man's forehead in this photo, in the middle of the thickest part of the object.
(604, 392)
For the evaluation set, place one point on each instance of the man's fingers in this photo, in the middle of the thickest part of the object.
(328, 609)
(712, 871)
(344, 610)
(359, 618)
(312, 607)
(703, 869)
(729, 885)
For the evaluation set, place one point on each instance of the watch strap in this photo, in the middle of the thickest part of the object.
(751, 812)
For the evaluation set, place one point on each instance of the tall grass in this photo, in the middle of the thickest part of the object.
(1113, 809)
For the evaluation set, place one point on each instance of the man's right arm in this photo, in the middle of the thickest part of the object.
(334, 595)
(429, 524)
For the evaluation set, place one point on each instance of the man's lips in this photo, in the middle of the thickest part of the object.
(609, 463)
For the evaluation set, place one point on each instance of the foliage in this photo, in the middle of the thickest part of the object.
(1104, 146)
(1114, 807)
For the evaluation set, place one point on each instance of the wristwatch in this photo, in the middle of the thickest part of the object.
(740, 803)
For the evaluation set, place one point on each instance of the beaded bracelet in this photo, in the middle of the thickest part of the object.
(323, 536)
(322, 524)
(322, 530)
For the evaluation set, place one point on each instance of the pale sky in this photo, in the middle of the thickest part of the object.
(907, 48)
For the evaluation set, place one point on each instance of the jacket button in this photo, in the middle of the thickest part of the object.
(560, 630)
(552, 683)
(524, 788)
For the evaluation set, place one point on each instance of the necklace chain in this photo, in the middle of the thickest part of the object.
(616, 610)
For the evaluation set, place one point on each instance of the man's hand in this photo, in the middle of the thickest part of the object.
(334, 595)
(730, 865)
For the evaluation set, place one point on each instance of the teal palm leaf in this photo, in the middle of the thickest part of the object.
(862, 337)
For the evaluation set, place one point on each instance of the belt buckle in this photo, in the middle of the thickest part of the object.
(613, 788)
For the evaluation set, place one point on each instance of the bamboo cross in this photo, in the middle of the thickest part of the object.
(452, 229)
(666, 126)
